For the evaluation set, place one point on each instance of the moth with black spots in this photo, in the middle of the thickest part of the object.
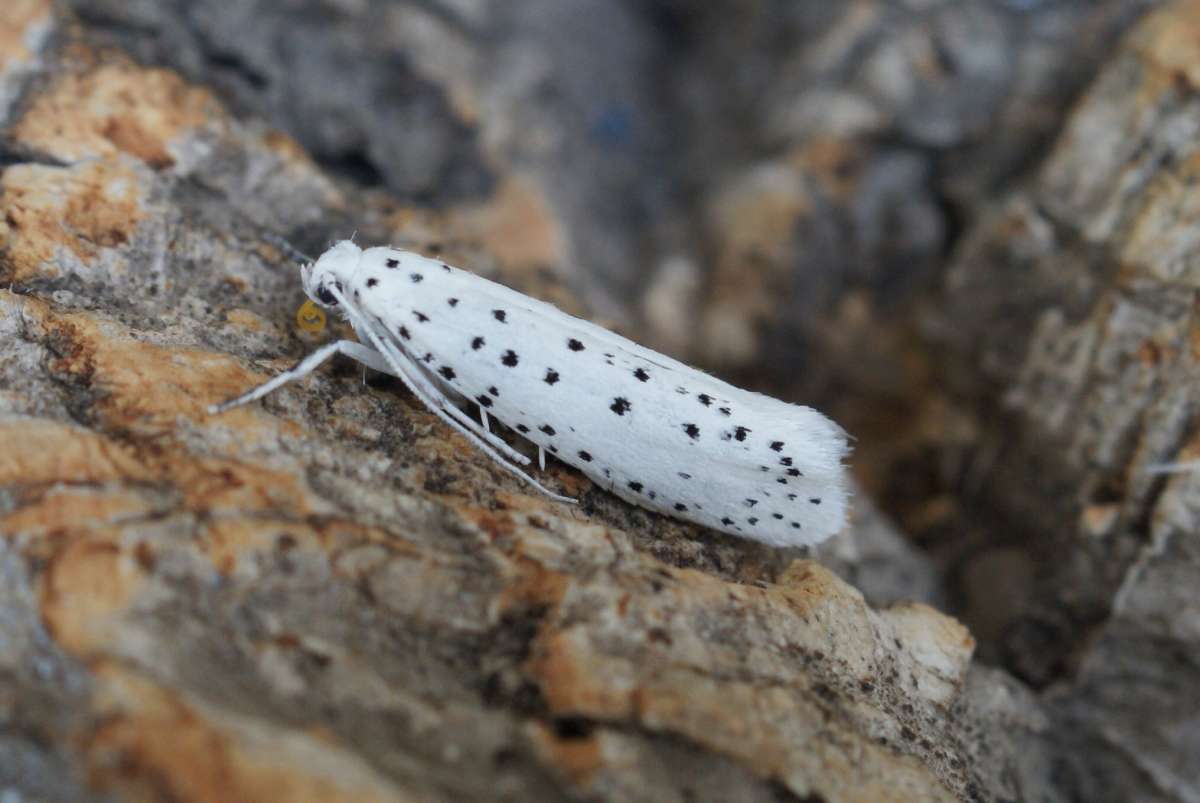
(648, 428)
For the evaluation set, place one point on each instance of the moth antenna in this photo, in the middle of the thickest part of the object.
(293, 253)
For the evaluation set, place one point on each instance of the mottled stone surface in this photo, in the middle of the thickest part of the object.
(962, 227)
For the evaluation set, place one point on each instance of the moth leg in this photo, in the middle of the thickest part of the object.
(385, 361)
(359, 353)
(300, 370)
(391, 357)
(442, 408)
(428, 393)
(399, 365)
(541, 458)
(483, 419)
(435, 401)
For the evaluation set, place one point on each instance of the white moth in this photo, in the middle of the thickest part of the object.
(651, 430)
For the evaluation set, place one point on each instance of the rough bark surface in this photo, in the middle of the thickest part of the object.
(963, 227)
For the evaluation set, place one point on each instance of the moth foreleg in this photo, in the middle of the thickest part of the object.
(302, 369)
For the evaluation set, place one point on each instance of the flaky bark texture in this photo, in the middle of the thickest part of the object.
(963, 228)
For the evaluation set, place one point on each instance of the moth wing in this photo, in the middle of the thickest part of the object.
(655, 431)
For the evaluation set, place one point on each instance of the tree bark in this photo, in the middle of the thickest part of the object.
(960, 228)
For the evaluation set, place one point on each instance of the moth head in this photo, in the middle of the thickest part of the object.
(334, 268)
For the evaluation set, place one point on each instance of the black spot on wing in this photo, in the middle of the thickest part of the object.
(753, 520)
(635, 486)
(740, 433)
(794, 472)
(499, 315)
(494, 392)
(692, 431)
(725, 411)
(641, 375)
(510, 359)
(705, 399)
(815, 501)
(777, 446)
(620, 405)
(522, 428)
(393, 263)
(585, 457)
(574, 345)
(551, 376)
(549, 430)
(681, 507)
(683, 475)
(477, 343)
(777, 516)
(403, 330)
(447, 372)
(416, 278)
(422, 317)
(751, 502)
(727, 521)
(372, 282)
(452, 302)
(484, 401)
